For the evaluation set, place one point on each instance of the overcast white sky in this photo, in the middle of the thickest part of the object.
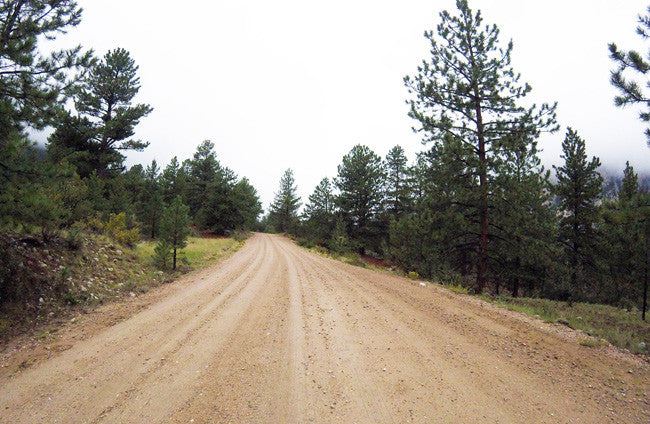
(295, 84)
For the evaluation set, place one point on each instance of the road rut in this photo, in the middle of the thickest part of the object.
(276, 334)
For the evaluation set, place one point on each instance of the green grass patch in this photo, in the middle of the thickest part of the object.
(618, 326)
(456, 288)
(198, 252)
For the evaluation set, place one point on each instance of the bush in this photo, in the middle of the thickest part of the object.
(117, 228)
(240, 235)
(321, 250)
(127, 237)
(413, 275)
(354, 259)
(306, 243)
(162, 254)
(74, 238)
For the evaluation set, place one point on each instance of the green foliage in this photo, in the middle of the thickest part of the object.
(284, 210)
(340, 241)
(618, 326)
(174, 180)
(32, 85)
(630, 91)
(162, 254)
(360, 182)
(175, 226)
(150, 203)
(104, 99)
(116, 227)
(578, 188)
(74, 239)
(398, 196)
(319, 213)
(467, 103)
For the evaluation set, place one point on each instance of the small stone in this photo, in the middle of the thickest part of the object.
(131, 294)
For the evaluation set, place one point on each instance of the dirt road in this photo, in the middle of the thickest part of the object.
(276, 334)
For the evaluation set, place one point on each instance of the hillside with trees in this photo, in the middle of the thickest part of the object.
(476, 207)
(81, 185)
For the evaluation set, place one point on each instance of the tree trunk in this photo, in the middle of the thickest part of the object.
(645, 284)
(174, 267)
(481, 267)
(515, 287)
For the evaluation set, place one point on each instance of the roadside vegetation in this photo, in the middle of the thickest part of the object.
(77, 224)
(57, 281)
(477, 210)
(601, 324)
(618, 326)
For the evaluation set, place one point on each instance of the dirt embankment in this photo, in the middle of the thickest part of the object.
(277, 334)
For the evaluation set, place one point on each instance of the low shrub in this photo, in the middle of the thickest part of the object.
(162, 255)
(413, 275)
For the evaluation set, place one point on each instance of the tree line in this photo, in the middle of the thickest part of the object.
(477, 206)
(89, 104)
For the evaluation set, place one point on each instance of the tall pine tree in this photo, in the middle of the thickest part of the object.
(360, 182)
(467, 95)
(284, 210)
(578, 188)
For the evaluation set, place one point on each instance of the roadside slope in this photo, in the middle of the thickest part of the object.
(278, 334)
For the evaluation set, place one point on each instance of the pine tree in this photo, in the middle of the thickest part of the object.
(246, 205)
(578, 188)
(32, 89)
(203, 169)
(630, 92)
(397, 182)
(105, 98)
(467, 95)
(360, 182)
(284, 209)
(174, 227)
(524, 223)
(173, 180)
(630, 186)
(150, 203)
(31, 86)
(319, 212)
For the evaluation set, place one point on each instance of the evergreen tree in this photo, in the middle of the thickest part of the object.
(150, 205)
(467, 96)
(175, 226)
(32, 89)
(630, 186)
(72, 141)
(524, 224)
(204, 169)
(626, 230)
(284, 209)
(360, 182)
(578, 188)
(173, 180)
(630, 92)
(31, 86)
(246, 205)
(397, 182)
(104, 97)
(319, 212)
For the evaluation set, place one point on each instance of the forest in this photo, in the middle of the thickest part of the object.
(78, 183)
(476, 207)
